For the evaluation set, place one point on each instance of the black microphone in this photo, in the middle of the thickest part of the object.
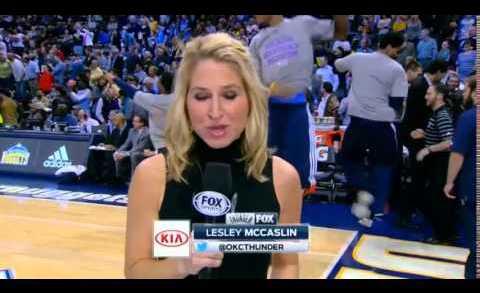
(217, 177)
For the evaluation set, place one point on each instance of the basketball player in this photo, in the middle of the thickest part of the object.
(377, 100)
(283, 53)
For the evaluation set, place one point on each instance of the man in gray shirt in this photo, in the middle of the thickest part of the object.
(376, 103)
(283, 54)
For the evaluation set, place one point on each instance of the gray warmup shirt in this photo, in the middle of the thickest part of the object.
(284, 53)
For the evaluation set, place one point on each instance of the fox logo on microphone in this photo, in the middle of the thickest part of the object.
(211, 203)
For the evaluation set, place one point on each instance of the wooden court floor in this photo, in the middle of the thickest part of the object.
(51, 239)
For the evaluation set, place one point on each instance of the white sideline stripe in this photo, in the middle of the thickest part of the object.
(65, 201)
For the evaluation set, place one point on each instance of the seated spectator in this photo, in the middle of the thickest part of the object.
(132, 150)
(365, 46)
(38, 114)
(329, 104)
(119, 132)
(325, 71)
(85, 122)
(62, 116)
(8, 109)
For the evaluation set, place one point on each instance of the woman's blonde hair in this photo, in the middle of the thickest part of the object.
(179, 135)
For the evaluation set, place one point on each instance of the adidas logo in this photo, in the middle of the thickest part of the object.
(58, 159)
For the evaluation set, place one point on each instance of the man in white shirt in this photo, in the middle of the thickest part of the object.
(326, 72)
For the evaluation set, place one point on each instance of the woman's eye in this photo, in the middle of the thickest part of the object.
(201, 97)
(230, 95)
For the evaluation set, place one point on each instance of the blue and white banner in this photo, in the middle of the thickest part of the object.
(280, 246)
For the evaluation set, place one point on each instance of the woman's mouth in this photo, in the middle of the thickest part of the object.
(217, 131)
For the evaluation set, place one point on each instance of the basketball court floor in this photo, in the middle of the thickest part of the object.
(53, 231)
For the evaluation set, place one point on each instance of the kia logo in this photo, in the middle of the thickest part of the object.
(171, 238)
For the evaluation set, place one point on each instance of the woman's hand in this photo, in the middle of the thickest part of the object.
(197, 261)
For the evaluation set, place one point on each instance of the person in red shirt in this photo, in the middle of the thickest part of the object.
(46, 79)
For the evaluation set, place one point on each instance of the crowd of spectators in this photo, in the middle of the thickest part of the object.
(52, 67)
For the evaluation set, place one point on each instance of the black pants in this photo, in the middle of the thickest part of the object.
(439, 209)
(413, 198)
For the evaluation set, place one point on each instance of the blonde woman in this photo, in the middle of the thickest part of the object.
(219, 114)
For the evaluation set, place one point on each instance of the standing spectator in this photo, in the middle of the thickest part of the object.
(444, 53)
(416, 117)
(104, 61)
(426, 49)
(414, 69)
(139, 73)
(384, 24)
(466, 60)
(18, 71)
(46, 79)
(435, 155)
(32, 71)
(414, 27)
(153, 79)
(6, 76)
(377, 101)
(156, 105)
(400, 24)
(59, 71)
(117, 62)
(3, 46)
(110, 100)
(455, 102)
(80, 95)
(407, 53)
(466, 23)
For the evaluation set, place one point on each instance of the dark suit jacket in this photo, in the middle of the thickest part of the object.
(117, 138)
(417, 113)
